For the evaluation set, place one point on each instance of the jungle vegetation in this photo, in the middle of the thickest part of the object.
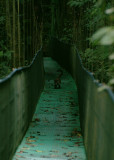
(20, 33)
(88, 24)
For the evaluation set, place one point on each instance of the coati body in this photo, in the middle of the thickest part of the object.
(57, 81)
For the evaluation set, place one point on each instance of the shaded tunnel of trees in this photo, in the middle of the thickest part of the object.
(86, 24)
(28, 25)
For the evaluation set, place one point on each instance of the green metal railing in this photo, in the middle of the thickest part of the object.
(96, 108)
(19, 93)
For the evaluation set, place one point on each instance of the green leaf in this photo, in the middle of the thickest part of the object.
(111, 57)
(109, 11)
(104, 36)
(111, 82)
(1, 53)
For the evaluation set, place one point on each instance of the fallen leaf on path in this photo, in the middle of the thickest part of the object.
(37, 119)
(66, 140)
(30, 144)
(20, 152)
(32, 136)
(29, 140)
(24, 148)
(20, 156)
(38, 151)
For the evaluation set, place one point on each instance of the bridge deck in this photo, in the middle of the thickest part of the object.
(54, 132)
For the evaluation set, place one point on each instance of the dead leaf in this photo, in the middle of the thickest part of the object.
(38, 151)
(20, 156)
(30, 144)
(32, 136)
(24, 148)
(66, 140)
(20, 152)
(29, 140)
(37, 119)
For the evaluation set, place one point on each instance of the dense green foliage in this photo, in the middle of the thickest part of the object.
(99, 18)
(20, 33)
(5, 54)
(89, 25)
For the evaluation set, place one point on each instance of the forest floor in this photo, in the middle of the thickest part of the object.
(54, 132)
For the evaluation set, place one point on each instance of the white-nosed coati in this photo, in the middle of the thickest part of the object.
(57, 81)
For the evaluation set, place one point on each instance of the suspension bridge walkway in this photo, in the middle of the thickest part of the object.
(67, 122)
(54, 132)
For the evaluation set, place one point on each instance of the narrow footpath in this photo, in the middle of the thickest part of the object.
(54, 132)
